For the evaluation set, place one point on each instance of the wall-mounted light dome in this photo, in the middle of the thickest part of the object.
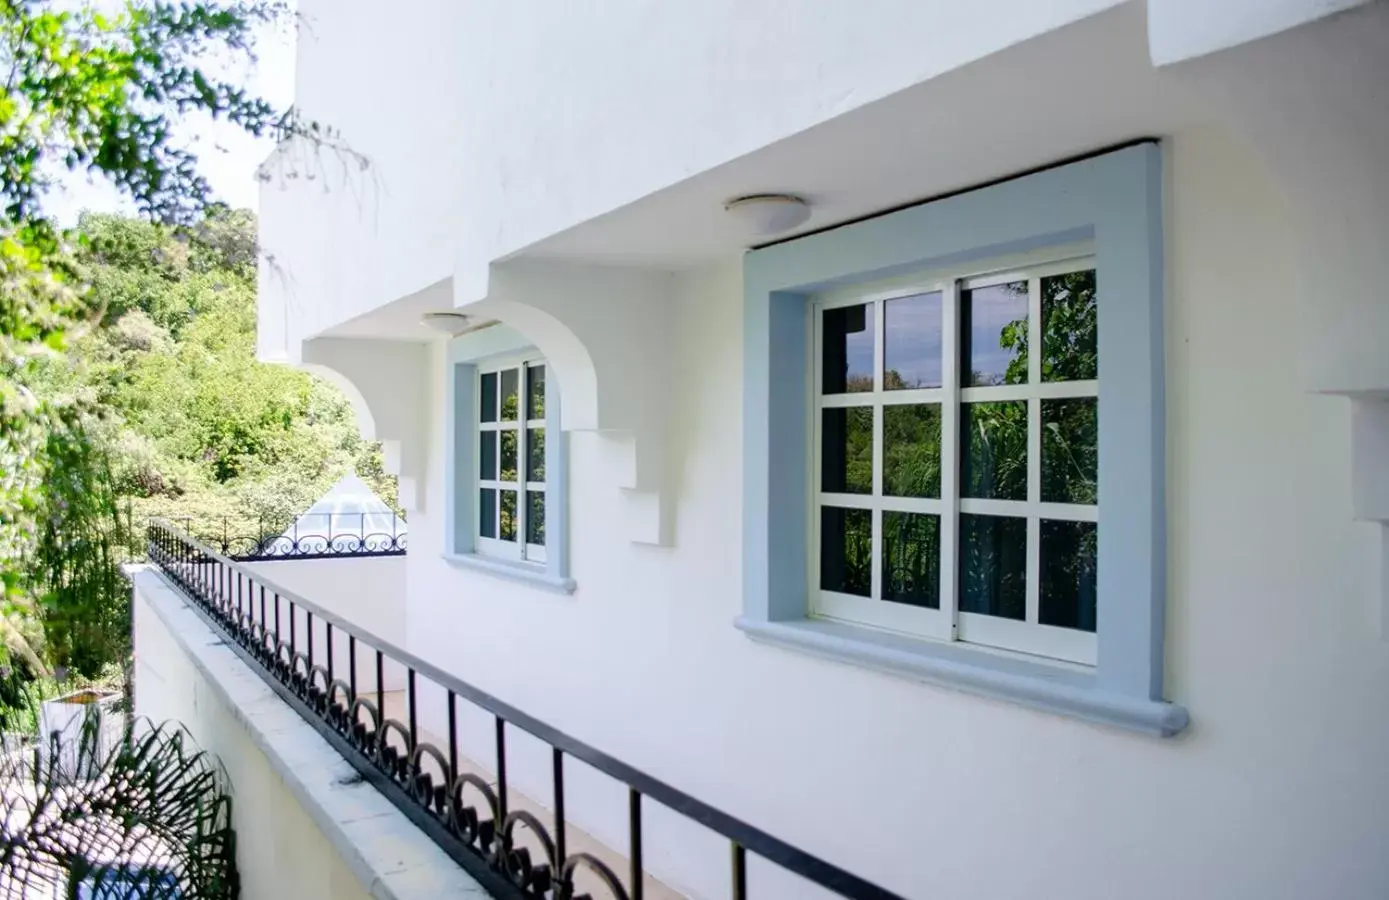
(451, 323)
(768, 214)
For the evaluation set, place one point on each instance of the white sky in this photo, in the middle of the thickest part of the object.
(227, 156)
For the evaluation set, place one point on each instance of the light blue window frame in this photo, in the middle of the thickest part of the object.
(465, 355)
(1114, 201)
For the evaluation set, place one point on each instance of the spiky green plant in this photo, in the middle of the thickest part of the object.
(149, 817)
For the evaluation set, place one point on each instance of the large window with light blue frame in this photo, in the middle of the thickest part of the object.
(954, 435)
(505, 461)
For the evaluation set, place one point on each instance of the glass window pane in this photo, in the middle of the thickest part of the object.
(1070, 336)
(535, 517)
(487, 443)
(911, 450)
(508, 439)
(1070, 450)
(993, 335)
(510, 379)
(535, 454)
(487, 391)
(535, 392)
(993, 565)
(912, 342)
(911, 559)
(847, 455)
(508, 515)
(993, 451)
(848, 349)
(487, 513)
(1069, 553)
(846, 550)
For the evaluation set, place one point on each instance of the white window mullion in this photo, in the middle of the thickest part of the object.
(521, 458)
(1034, 447)
(879, 339)
(950, 460)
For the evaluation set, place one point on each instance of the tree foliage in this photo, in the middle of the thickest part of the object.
(92, 93)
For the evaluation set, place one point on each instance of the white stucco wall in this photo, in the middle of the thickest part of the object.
(367, 591)
(1278, 789)
(488, 125)
(280, 852)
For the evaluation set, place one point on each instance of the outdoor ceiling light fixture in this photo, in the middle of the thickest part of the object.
(768, 214)
(451, 323)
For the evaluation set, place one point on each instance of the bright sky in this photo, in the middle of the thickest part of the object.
(228, 157)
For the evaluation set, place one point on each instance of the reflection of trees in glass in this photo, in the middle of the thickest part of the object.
(508, 439)
(510, 401)
(993, 554)
(1070, 336)
(535, 518)
(535, 454)
(509, 515)
(911, 558)
(994, 451)
(1011, 337)
(911, 450)
(846, 550)
(847, 461)
(1070, 551)
(535, 392)
(1070, 450)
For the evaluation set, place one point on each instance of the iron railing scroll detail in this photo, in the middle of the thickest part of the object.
(313, 536)
(511, 852)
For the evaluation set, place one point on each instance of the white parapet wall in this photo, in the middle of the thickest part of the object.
(307, 827)
(367, 591)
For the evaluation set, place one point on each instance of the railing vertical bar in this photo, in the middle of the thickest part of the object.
(277, 623)
(380, 688)
(262, 610)
(634, 827)
(558, 764)
(308, 621)
(330, 656)
(410, 699)
(352, 664)
(293, 636)
(740, 872)
(501, 769)
(453, 737)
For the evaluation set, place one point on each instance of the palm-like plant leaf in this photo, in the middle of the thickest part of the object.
(148, 818)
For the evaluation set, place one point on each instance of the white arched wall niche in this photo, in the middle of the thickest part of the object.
(605, 332)
(1311, 102)
(387, 383)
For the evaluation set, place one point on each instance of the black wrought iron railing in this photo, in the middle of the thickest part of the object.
(310, 536)
(291, 643)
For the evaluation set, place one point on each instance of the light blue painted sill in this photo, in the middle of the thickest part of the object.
(515, 571)
(1039, 685)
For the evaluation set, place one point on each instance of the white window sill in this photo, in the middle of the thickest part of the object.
(525, 573)
(1059, 689)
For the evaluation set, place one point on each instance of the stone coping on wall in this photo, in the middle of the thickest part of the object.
(391, 858)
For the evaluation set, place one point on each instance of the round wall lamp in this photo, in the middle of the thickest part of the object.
(768, 214)
(450, 323)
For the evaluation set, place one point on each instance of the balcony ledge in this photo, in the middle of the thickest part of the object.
(391, 858)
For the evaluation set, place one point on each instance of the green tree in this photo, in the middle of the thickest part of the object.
(99, 94)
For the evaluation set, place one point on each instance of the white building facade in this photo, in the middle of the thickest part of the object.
(1013, 527)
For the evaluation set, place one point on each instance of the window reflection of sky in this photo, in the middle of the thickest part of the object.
(991, 310)
(858, 352)
(913, 347)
